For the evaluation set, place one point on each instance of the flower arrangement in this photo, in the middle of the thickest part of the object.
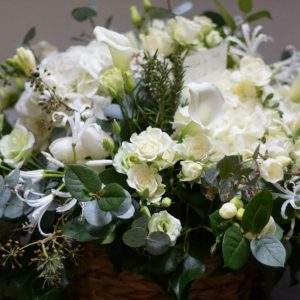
(168, 146)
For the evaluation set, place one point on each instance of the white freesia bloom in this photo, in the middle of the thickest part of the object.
(119, 47)
(145, 179)
(206, 103)
(17, 146)
(190, 170)
(166, 223)
(271, 170)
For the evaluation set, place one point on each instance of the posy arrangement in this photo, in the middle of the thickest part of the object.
(170, 145)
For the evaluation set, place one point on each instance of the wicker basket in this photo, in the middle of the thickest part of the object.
(96, 281)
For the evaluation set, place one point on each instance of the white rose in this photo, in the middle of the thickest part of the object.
(151, 143)
(157, 40)
(271, 170)
(166, 223)
(213, 39)
(255, 70)
(228, 211)
(184, 31)
(145, 179)
(269, 229)
(62, 149)
(190, 170)
(17, 146)
(205, 23)
(92, 139)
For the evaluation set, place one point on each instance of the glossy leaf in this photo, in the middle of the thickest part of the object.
(235, 248)
(112, 197)
(259, 15)
(269, 251)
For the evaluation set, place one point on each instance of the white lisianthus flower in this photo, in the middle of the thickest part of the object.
(190, 170)
(228, 211)
(269, 229)
(271, 170)
(213, 39)
(157, 40)
(255, 70)
(25, 60)
(63, 150)
(17, 146)
(92, 139)
(151, 144)
(145, 180)
(112, 82)
(166, 223)
(184, 31)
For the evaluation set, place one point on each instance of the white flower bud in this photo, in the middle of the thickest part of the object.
(111, 82)
(213, 39)
(25, 60)
(228, 211)
(166, 202)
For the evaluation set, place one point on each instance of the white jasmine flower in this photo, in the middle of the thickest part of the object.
(166, 223)
(228, 211)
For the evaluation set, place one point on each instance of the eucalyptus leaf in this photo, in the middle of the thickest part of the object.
(183, 8)
(257, 212)
(14, 208)
(235, 248)
(113, 111)
(259, 15)
(112, 197)
(12, 178)
(189, 270)
(84, 13)
(141, 222)
(29, 36)
(5, 194)
(81, 180)
(157, 243)
(269, 251)
(245, 6)
(77, 231)
(135, 237)
(94, 215)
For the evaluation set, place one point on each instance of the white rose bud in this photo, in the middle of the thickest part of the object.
(213, 39)
(17, 146)
(62, 150)
(112, 82)
(166, 202)
(228, 211)
(25, 60)
(166, 223)
(271, 170)
(190, 170)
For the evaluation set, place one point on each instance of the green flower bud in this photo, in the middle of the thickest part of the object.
(1, 122)
(240, 213)
(237, 202)
(136, 18)
(108, 145)
(128, 81)
(116, 127)
(112, 83)
(294, 92)
(147, 5)
(166, 202)
(145, 210)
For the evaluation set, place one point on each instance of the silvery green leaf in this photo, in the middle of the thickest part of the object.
(182, 8)
(1, 212)
(12, 178)
(113, 111)
(14, 209)
(123, 208)
(128, 214)
(94, 215)
(2, 184)
(4, 196)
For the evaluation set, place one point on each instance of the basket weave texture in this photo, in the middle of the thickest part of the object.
(96, 281)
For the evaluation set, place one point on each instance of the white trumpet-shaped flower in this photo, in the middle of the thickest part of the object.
(291, 196)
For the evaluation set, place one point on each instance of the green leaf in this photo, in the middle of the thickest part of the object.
(160, 13)
(245, 6)
(157, 243)
(81, 180)
(257, 212)
(235, 248)
(112, 197)
(229, 165)
(259, 15)
(29, 36)
(226, 15)
(218, 224)
(135, 237)
(108, 22)
(77, 231)
(84, 13)
(141, 222)
(110, 175)
(12, 178)
(215, 17)
(269, 251)
(189, 270)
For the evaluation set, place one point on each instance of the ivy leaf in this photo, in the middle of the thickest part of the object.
(235, 248)
(29, 36)
(135, 237)
(81, 180)
(245, 6)
(189, 270)
(226, 16)
(84, 13)
(157, 243)
(259, 15)
(112, 198)
(257, 212)
(269, 251)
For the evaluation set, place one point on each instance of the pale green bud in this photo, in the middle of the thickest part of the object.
(294, 91)
(128, 81)
(25, 60)
(108, 145)
(135, 16)
(240, 213)
(166, 202)
(116, 127)
(147, 5)
(1, 122)
(237, 202)
(111, 82)
(145, 210)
